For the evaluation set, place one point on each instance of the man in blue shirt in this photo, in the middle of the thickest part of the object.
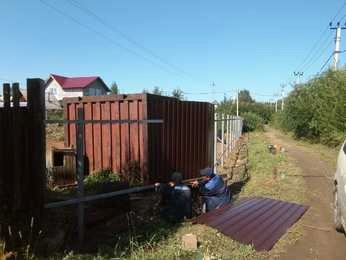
(215, 192)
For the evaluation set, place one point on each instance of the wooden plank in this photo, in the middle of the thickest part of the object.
(80, 175)
(36, 106)
(15, 137)
(97, 137)
(16, 94)
(105, 136)
(88, 134)
(7, 95)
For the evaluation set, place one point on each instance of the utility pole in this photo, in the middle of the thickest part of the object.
(276, 105)
(338, 28)
(298, 75)
(282, 96)
(213, 92)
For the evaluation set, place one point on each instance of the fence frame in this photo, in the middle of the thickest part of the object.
(233, 131)
(81, 198)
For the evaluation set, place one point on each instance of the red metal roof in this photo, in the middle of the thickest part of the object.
(75, 82)
(257, 221)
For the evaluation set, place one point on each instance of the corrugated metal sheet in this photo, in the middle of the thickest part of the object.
(184, 142)
(257, 221)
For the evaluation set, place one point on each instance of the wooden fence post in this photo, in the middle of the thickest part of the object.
(36, 107)
(17, 164)
(80, 173)
(15, 95)
(7, 94)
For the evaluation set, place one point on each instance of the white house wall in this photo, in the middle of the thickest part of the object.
(54, 89)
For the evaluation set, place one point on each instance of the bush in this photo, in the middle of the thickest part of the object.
(252, 122)
(55, 114)
(95, 181)
(316, 110)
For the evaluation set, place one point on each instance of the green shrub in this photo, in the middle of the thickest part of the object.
(316, 110)
(252, 122)
(95, 180)
(55, 114)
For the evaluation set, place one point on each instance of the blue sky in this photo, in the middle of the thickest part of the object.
(253, 45)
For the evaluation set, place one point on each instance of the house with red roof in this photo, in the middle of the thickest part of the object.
(59, 87)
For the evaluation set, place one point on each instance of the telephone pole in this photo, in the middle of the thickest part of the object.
(298, 75)
(282, 96)
(338, 28)
(213, 92)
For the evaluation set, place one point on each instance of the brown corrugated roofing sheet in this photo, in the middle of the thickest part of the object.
(257, 221)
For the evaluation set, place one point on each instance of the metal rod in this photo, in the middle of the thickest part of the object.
(230, 133)
(222, 137)
(98, 197)
(215, 138)
(227, 134)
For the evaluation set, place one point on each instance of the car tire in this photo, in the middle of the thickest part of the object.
(337, 213)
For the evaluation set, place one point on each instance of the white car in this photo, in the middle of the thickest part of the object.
(340, 191)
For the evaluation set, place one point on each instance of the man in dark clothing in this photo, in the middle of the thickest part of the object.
(215, 192)
(178, 199)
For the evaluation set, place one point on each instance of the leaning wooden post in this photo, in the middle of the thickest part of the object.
(16, 94)
(36, 107)
(7, 94)
(80, 173)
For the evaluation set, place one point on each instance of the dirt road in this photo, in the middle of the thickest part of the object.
(320, 240)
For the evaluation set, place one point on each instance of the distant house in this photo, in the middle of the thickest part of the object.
(58, 87)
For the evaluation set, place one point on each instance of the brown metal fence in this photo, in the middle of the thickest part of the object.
(22, 144)
(183, 142)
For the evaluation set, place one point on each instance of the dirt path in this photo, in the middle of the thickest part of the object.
(320, 240)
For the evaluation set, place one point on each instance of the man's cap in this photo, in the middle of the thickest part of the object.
(206, 172)
(177, 177)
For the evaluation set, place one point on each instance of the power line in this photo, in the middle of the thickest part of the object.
(105, 37)
(326, 62)
(314, 47)
(322, 52)
(124, 35)
(312, 59)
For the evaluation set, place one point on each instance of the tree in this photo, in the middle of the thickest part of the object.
(178, 93)
(114, 89)
(157, 91)
(244, 96)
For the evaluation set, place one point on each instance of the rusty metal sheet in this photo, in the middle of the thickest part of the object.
(183, 142)
(257, 221)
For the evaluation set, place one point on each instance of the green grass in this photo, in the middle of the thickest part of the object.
(272, 175)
